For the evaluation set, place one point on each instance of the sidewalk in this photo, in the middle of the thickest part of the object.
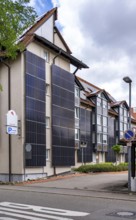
(116, 181)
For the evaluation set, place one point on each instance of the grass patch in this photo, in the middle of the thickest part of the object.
(102, 167)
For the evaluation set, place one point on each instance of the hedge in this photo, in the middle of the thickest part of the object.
(102, 167)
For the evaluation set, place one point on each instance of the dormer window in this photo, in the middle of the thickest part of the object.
(104, 104)
(102, 119)
(123, 116)
(99, 101)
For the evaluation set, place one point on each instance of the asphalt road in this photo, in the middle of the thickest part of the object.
(89, 197)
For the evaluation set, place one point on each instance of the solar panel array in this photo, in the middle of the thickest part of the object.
(63, 118)
(35, 110)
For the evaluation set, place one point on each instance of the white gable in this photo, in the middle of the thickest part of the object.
(58, 42)
(46, 30)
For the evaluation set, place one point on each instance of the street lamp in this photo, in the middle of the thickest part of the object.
(129, 81)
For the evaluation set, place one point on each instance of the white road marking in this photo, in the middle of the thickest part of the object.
(36, 212)
(6, 218)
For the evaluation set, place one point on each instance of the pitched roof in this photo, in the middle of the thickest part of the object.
(87, 102)
(39, 21)
(112, 112)
(89, 84)
(73, 60)
(114, 104)
(33, 37)
(30, 36)
(62, 39)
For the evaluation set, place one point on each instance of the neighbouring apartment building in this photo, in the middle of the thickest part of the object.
(57, 111)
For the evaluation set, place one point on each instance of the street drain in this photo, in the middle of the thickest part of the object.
(124, 214)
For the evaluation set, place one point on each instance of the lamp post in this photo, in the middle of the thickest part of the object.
(129, 81)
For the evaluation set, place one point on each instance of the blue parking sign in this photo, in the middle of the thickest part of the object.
(129, 135)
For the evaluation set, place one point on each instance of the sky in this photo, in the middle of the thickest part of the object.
(101, 33)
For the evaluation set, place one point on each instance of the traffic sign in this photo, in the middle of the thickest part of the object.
(129, 135)
(12, 118)
(12, 130)
(12, 122)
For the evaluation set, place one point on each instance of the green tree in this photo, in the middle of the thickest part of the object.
(116, 148)
(15, 17)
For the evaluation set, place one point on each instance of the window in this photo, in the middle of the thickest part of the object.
(125, 119)
(47, 122)
(104, 139)
(121, 134)
(125, 113)
(121, 111)
(121, 126)
(99, 138)
(121, 117)
(104, 121)
(47, 154)
(105, 129)
(77, 93)
(125, 127)
(99, 128)
(99, 102)
(76, 134)
(99, 121)
(46, 56)
(104, 104)
(76, 112)
(47, 89)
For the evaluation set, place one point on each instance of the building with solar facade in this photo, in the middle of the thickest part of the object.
(57, 111)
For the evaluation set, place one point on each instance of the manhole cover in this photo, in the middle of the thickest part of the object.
(123, 214)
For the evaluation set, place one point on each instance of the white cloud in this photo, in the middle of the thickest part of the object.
(102, 33)
(55, 3)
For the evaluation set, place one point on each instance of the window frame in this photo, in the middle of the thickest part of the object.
(77, 134)
(47, 123)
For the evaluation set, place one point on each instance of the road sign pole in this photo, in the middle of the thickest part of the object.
(129, 136)
(129, 165)
(129, 148)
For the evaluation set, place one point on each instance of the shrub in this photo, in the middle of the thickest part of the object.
(102, 167)
(116, 148)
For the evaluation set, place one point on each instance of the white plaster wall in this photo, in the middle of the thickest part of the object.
(16, 105)
(58, 42)
(4, 161)
(46, 30)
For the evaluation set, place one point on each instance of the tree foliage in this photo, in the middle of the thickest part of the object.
(15, 17)
(116, 148)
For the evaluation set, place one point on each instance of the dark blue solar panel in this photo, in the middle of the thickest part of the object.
(63, 118)
(35, 109)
